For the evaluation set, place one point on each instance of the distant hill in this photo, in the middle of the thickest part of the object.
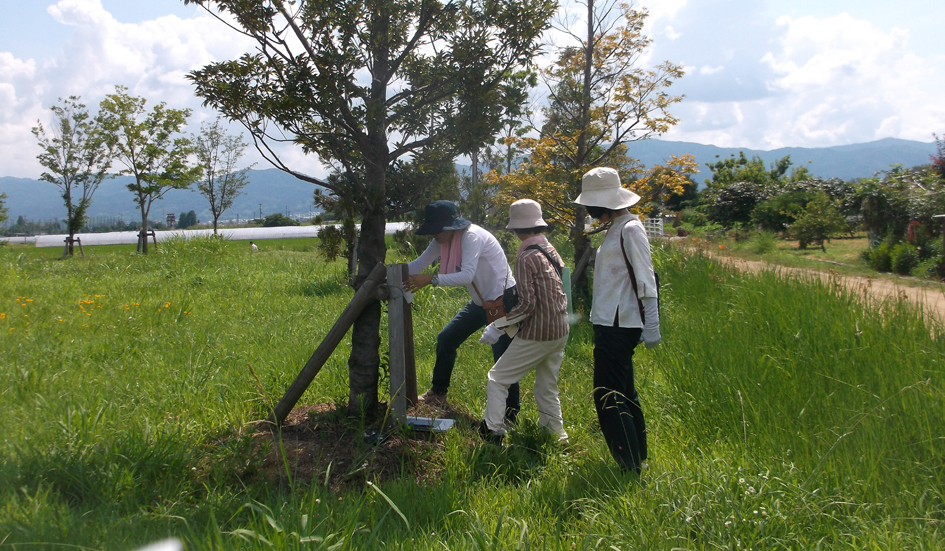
(279, 192)
(274, 189)
(846, 162)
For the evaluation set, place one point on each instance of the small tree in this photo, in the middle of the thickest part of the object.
(187, 220)
(76, 157)
(218, 153)
(601, 99)
(3, 207)
(819, 221)
(150, 147)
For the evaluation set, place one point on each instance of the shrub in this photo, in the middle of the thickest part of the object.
(278, 219)
(929, 268)
(331, 242)
(778, 213)
(903, 258)
(762, 242)
(818, 222)
(694, 217)
(879, 256)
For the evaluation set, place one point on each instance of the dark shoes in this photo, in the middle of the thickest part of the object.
(490, 436)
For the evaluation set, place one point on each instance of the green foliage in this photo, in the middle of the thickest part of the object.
(278, 219)
(218, 153)
(187, 220)
(762, 242)
(880, 256)
(933, 267)
(150, 146)
(734, 203)
(904, 258)
(331, 242)
(938, 160)
(781, 211)
(76, 157)
(3, 208)
(818, 222)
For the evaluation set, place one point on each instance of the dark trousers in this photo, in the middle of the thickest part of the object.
(467, 321)
(615, 397)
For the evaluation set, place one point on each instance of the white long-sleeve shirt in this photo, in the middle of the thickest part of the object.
(484, 263)
(612, 289)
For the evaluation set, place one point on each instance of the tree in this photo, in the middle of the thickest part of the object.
(601, 99)
(363, 84)
(3, 207)
(76, 157)
(818, 222)
(150, 147)
(186, 220)
(218, 154)
(277, 220)
(738, 185)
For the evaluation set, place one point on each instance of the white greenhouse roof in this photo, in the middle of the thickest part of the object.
(237, 234)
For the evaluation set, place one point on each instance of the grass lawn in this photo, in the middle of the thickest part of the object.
(781, 414)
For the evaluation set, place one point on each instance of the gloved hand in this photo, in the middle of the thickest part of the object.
(651, 329)
(491, 335)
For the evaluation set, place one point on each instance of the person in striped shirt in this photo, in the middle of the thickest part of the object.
(538, 323)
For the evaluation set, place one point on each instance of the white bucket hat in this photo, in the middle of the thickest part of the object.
(600, 187)
(525, 214)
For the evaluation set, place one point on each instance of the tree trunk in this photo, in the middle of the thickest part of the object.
(580, 287)
(364, 362)
(144, 225)
(70, 214)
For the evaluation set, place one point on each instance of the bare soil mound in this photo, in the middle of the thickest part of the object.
(325, 446)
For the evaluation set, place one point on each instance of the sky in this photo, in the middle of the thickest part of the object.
(760, 74)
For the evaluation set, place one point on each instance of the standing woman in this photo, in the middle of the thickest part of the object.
(541, 321)
(624, 313)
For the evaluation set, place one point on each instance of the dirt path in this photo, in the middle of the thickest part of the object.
(931, 299)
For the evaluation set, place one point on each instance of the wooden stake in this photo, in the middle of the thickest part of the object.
(410, 359)
(396, 348)
(361, 299)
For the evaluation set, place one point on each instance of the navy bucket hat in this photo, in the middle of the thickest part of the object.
(441, 216)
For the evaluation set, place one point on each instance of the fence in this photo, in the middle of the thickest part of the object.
(654, 226)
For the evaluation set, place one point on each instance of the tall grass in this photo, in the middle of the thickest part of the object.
(782, 414)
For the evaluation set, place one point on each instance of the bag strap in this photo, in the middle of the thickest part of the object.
(633, 277)
(558, 269)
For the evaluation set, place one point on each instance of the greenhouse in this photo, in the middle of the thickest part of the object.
(237, 234)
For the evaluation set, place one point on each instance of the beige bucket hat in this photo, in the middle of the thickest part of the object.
(525, 214)
(600, 187)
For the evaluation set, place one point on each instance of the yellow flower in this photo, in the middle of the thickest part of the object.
(167, 304)
(721, 246)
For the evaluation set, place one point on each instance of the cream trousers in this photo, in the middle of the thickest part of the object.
(522, 356)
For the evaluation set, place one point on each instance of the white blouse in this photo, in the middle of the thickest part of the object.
(484, 263)
(612, 290)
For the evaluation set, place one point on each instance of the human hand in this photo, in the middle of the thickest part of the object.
(491, 335)
(417, 282)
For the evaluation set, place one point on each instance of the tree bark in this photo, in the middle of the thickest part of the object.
(580, 287)
(365, 360)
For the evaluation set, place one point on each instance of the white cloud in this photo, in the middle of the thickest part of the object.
(818, 82)
(151, 58)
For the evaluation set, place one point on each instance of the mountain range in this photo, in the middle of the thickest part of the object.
(271, 191)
